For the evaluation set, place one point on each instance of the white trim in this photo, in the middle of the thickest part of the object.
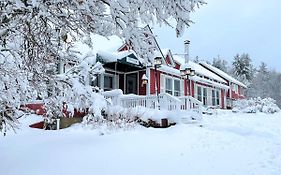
(147, 72)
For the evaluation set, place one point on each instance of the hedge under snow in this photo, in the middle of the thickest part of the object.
(253, 105)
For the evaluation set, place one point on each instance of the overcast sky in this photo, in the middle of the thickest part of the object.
(225, 28)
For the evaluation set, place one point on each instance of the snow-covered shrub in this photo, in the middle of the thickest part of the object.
(152, 117)
(253, 105)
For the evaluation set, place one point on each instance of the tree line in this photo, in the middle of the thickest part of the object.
(261, 81)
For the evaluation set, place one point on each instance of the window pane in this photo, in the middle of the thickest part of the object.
(168, 87)
(168, 83)
(218, 97)
(213, 97)
(204, 96)
(177, 85)
(108, 82)
(199, 93)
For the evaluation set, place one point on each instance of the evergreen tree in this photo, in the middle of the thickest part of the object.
(243, 68)
(259, 86)
(220, 64)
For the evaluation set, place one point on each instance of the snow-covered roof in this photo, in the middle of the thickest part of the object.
(199, 69)
(165, 51)
(170, 70)
(223, 74)
(99, 42)
(157, 54)
(209, 82)
(110, 57)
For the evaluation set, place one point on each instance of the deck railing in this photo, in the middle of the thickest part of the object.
(188, 102)
(166, 101)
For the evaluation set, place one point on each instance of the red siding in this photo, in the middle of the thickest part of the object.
(38, 108)
(152, 81)
(177, 66)
(234, 95)
(185, 87)
(125, 47)
(192, 88)
(168, 60)
(38, 125)
(228, 93)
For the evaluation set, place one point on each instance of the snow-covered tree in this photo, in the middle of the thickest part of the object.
(274, 86)
(220, 64)
(34, 33)
(259, 86)
(243, 68)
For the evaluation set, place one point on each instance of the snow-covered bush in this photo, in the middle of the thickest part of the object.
(151, 117)
(253, 105)
(71, 89)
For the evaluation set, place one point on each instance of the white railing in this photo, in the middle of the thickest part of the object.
(113, 96)
(188, 102)
(166, 101)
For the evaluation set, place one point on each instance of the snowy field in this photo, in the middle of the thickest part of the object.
(228, 143)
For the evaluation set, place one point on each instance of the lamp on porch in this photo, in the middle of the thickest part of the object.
(144, 80)
(188, 72)
(157, 64)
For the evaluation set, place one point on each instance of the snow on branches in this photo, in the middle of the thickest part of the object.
(34, 34)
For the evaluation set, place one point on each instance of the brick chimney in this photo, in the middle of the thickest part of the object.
(186, 50)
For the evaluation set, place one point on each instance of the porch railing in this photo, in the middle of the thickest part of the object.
(188, 102)
(166, 101)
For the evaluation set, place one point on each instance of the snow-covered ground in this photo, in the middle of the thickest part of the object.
(228, 143)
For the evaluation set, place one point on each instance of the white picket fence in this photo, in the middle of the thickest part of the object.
(163, 101)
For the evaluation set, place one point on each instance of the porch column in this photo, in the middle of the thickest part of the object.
(148, 83)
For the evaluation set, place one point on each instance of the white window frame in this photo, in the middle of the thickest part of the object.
(172, 91)
(177, 92)
(169, 91)
(216, 97)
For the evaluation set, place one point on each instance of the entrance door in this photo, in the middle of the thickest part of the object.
(131, 84)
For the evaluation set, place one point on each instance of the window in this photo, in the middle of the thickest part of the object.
(177, 87)
(108, 82)
(205, 96)
(215, 97)
(218, 97)
(168, 86)
(202, 94)
(199, 93)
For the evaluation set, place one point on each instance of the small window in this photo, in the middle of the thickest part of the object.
(177, 87)
(205, 96)
(218, 97)
(168, 86)
(108, 83)
(199, 93)
(213, 97)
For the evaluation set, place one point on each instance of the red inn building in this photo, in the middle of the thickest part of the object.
(170, 76)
